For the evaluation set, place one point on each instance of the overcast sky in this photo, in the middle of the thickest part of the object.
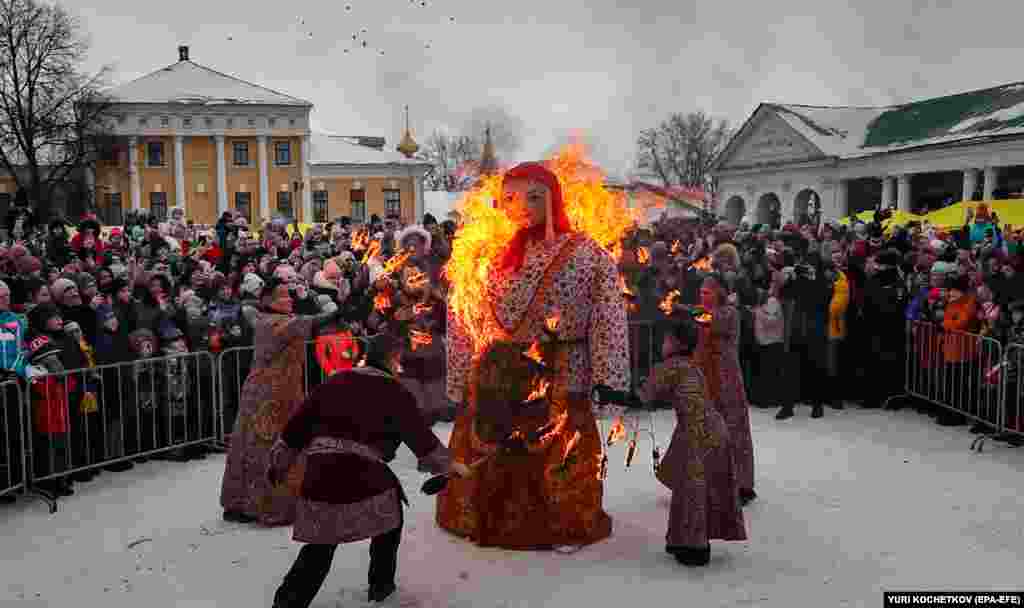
(606, 68)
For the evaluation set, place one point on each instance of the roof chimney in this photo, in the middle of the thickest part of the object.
(182, 53)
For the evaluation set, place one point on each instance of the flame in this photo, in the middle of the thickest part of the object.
(540, 391)
(360, 240)
(416, 279)
(396, 262)
(551, 323)
(703, 264)
(617, 433)
(535, 353)
(643, 256)
(420, 308)
(616, 252)
(668, 303)
(569, 446)
(372, 251)
(381, 302)
(481, 241)
(419, 338)
(703, 318)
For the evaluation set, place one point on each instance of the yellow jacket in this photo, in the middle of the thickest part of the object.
(837, 307)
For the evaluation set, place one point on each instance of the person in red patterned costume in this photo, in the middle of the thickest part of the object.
(549, 283)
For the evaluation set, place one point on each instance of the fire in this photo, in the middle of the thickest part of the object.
(551, 323)
(416, 279)
(361, 240)
(421, 309)
(419, 338)
(569, 446)
(643, 255)
(381, 302)
(703, 264)
(396, 262)
(667, 305)
(540, 391)
(703, 318)
(617, 433)
(372, 251)
(535, 353)
(480, 243)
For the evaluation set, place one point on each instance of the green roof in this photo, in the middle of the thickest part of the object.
(976, 112)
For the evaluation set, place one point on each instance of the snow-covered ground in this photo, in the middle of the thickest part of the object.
(851, 504)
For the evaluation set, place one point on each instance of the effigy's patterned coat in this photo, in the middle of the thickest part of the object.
(698, 464)
(271, 393)
(550, 497)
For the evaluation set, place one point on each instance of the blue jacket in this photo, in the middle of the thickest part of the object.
(13, 328)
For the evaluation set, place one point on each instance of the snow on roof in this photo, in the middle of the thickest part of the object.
(328, 149)
(847, 132)
(191, 83)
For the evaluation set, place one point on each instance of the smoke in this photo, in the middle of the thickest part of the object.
(506, 129)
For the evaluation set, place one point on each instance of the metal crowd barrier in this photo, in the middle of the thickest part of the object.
(1006, 375)
(13, 471)
(85, 419)
(954, 370)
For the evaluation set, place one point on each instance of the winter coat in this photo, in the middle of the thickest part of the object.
(13, 330)
(837, 307)
(961, 318)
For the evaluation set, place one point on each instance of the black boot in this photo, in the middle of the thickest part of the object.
(691, 556)
(238, 517)
(785, 413)
(381, 593)
(817, 410)
(747, 496)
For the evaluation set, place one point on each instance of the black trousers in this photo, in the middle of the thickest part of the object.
(311, 567)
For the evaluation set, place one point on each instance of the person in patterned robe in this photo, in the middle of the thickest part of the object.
(718, 357)
(698, 465)
(271, 393)
(349, 493)
(554, 281)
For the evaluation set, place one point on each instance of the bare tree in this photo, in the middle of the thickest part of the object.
(451, 157)
(682, 148)
(50, 109)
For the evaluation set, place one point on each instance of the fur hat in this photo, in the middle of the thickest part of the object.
(409, 231)
(251, 285)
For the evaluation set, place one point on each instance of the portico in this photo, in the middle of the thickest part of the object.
(856, 158)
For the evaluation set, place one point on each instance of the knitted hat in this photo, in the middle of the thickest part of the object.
(42, 347)
(59, 287)
(943, 268)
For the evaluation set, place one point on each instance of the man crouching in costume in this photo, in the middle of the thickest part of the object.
(348, 492)
(553, 299)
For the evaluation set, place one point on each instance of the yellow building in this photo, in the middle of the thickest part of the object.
(188, 136)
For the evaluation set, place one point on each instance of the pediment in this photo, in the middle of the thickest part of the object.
(768, 140)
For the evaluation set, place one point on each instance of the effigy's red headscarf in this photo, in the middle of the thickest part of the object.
(556, 216)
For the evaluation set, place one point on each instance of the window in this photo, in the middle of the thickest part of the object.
(282, 153)
(110, 211)
(158, 205)
(358, 198)
(241, 154)
(165, 122)
(284, 204)
(252, 122)
(155, 154)
(188, 123)
(243, 205)
(272, 123)
(393, 204)
(320, 206)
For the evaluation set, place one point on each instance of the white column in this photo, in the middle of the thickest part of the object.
(133, 172)
(888, 191)
(903, 193)
(419, 204)
(261, 145)
(179, 172)
(307, 194)
(222, 177)
(970, 184)
(991, 176)
(842, 205)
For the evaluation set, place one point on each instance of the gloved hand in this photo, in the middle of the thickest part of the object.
(461, 469)
(34, 371)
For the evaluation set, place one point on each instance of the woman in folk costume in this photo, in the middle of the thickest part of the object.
(349, 493)
(718, 357)
(698, 466)
(273, 390)
(547, 280)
